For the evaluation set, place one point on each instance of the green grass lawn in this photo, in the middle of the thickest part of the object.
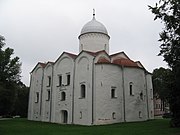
(25, 127)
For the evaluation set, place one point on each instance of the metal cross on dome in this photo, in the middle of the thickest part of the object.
(93, 13)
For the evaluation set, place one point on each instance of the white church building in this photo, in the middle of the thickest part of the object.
(92, 87)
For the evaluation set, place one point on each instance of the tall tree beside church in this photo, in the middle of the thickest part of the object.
(9, 78)
(168, 11)
(9, 67)
(162, 83)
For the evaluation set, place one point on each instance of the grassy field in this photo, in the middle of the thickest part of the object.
(25, 127)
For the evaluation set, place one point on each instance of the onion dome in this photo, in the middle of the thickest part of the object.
(94, 26)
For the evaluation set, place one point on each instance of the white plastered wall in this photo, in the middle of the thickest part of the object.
(63, 66)
(46, 103)
(83, 75)
(108, 76)
(94, 42)
(135, 107)
(34, 110)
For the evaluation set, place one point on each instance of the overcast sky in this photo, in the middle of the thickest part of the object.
(40, 30)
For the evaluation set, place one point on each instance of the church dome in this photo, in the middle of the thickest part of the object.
(94, 26)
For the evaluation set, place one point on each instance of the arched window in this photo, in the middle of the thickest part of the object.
(63, 96)
(48, 95)
(60, 80)
(80, 114)
(141, 95)
(113, 92)
(49, 81)
(131, 91)
(37, 97)
(83, 91)
(140, 114)
(114, 115)
(68, 79)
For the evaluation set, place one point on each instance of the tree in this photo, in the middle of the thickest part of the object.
(162, 83)
(162, 86)
(9, 78)
(21, 102)
(168, 11)
(9, 67)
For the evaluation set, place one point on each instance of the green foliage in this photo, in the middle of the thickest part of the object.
(6, 100)
(162, 83)
(9, 67)
(13, 94)
(24, 127)
(169, 12)
(21, 102)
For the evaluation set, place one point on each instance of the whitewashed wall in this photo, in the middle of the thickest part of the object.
(34, 111)
(46, 103)
(63, 66)
(97, 107)
(136, 108)
(108, 76)
(83, 75)
(94, 42)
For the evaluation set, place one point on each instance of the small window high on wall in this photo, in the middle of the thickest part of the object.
(140, 114)
(48, 95)
(60, 80)
(68, 79)
(83, 91)
(37, 97)
(49, 81)
(63, 96)
(80, 115)
(114, 115)
(113, 92)
(131, 90)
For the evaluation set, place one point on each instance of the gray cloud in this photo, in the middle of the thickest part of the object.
(40, 30)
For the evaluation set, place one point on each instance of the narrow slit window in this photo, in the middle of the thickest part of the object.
(113, 115)
(48, 95)
(140, 114)
(49, 81)
(63, 96)
(131, 91)
(68, 79)
(37, 97)
(83, 91)
(80, 115)
(60, 80)
(141, 95)
(113, 92)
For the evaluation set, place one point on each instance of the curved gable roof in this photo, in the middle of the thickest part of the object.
(125, 62)
(71, 55)
(103, 60)
(43, 65)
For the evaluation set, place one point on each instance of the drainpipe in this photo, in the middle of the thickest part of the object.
(93, 91)
(51, 100)
(124, 101)
(41, 94)
(73, 92)
(146, 94)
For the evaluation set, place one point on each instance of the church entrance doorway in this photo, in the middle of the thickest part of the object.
(64, 116)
